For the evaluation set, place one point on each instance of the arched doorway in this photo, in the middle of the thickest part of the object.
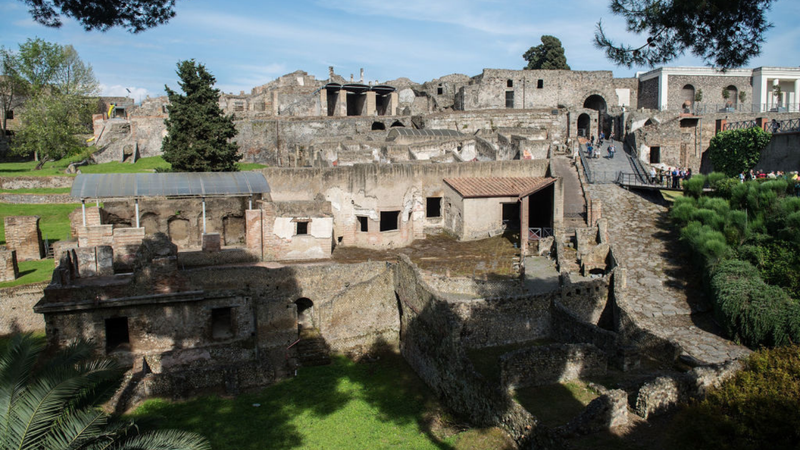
(378, 126)
(733, 96)
(598, 103)
(584, 122)
(687, 96)
(305, 314)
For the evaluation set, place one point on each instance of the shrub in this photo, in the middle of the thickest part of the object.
(694, 186)
(714, 179)
(756, 409)
(683, 209)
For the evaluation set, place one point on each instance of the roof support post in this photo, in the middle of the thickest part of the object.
(137, 213)
(99, 216)
(204, 215)
(251, 202)
(83, 210)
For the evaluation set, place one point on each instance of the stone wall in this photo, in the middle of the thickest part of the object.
(36, 198)
(549, 364)
(648, 94)
(16, 308)
(712, 87)
(35, 182)
(780, 154)
(504, 320)
(24, 236)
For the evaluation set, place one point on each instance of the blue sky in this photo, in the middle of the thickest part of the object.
(248, 43)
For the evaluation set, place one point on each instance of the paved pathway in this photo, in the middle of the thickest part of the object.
(663, 291)
(604, 169)
(574, 202)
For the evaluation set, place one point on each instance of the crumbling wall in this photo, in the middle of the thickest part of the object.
(504, 320)
(9, 270)
(549, 364)
(16, 309)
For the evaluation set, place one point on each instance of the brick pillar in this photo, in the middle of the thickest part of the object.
(370, 104)
(523, 225)
(24, 236)
(761, 122)
(252, 232)
(273, 245)
(349, 231)
(393, 104)
(9, 270)
(323, 102)
(595, 211)
(341, 104)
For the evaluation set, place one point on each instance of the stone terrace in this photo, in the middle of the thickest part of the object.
(664, 293)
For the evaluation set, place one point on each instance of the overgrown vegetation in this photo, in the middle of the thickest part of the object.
(736, 151)
(757, 409)
(746, 236)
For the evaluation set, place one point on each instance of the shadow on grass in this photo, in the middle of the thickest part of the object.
(375, 404)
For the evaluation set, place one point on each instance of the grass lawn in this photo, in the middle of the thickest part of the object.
(670, 196)
(345, 405)
(32, 272)
(56, 168)
(54, 219)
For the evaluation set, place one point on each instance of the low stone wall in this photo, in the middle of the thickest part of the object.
(222, 257)
(557, 363)
(665, 393)
(37, 199)
(35, 182)
(16, 308)
(474, 288)
(504, 320)
(587, 300)
(568, 327)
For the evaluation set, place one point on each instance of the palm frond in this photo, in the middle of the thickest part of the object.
(165, 440)
(16, 364)
(77, 428)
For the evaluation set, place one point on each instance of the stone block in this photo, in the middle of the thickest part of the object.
(86, 261)
(24, 236)
(105, 261)
(60, 248)
(212, 242)
(9, 271)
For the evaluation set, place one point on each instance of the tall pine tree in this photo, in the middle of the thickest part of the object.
(198, 134)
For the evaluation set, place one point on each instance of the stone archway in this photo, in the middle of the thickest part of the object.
(584, 124)
(598, 103)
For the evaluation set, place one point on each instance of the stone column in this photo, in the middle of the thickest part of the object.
(341, 105)
(253, 232)
(524, 212)
(394, 102)
(323, 102)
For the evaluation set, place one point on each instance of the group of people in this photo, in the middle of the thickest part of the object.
(595, 152)
(672, 177)
(772, 175)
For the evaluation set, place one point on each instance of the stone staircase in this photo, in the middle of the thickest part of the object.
(312, 350)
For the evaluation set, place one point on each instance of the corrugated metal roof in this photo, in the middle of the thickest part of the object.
(196, 184)
(498, 186)
(425, 132)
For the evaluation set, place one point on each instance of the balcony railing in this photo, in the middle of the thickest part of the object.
(534, 234)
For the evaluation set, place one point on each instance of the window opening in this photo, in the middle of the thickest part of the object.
(539, 84)
(302, 228)
(510, 83)
(509, 99)
(10, 115)
(655, 155)
(433, 207)
(363, 225)
(222, 323)
(117, 338)
(390, 220)
(439, 90)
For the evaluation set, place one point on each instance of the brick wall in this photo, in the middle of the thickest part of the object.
(9, 271)
(24, 236)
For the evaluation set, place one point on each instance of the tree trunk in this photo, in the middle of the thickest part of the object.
(41, 163)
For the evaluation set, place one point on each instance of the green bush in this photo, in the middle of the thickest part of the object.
(750, 310)
(756, 409)
(714, 179)
(694, 186)
(683, 209)
(736, 151)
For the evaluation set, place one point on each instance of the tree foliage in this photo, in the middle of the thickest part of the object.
(198, 134)
(55, 404)
(132, 15)
(51, 126)
(724, 33)
(548, 56)
(736, 151)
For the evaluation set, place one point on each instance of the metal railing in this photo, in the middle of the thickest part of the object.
(586, 170)
(700, 108)
(774, 127)
(536, 233)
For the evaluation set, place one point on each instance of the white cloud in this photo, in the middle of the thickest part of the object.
(136, 93)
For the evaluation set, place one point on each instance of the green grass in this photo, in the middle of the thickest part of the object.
(36, 191)
(54, 219)
(56, 168)
(670, 196)
(32, 272)
(345, 405)
(556, 404)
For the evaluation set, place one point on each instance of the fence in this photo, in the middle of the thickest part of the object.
(775, 127)
(710, 108)
(534, 234)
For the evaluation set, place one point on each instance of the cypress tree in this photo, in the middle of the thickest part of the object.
(198, 134)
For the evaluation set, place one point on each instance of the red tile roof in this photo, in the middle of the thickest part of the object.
(497, 186)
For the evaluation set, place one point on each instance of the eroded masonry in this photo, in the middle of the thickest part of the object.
(438, 219)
